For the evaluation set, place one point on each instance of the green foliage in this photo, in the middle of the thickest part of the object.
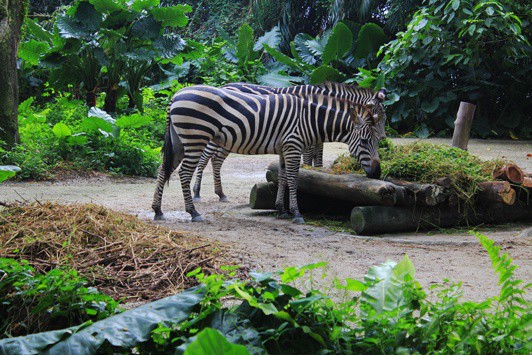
(334, 56)
(35, 302)
(7, 172)
(64, 135)
(97, 43)
(451, 51)
(387, 312)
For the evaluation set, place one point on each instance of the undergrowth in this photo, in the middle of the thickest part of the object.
(425, 162)
(33, 302)
(386, 312)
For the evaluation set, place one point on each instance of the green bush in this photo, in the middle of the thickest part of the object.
(32, 302)
(61, 136)
(457, 50)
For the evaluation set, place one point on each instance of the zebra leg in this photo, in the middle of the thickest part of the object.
(281, 188)
(217, 161)
(176, 158)
(186, 171)
(204, 160)
(308, 156)
(292, 171)
(317, 155)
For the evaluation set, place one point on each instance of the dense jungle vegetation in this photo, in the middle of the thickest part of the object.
(95, 75)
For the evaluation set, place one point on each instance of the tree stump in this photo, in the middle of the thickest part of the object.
(462, 125)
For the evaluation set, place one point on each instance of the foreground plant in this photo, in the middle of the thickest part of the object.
(387, 312)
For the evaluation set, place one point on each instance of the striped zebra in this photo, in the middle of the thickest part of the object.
(280, 124)
(314, 155)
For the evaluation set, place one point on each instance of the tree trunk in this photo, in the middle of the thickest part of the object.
(462, 125)
(358, 189)
(110, 100)
(11, 16)
(496, 191)
(370, 220)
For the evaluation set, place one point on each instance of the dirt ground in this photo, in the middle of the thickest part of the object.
(264, 243)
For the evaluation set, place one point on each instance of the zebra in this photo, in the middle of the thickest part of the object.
(314, 155)
(280, 124)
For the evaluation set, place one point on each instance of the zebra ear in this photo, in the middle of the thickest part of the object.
(382, 94)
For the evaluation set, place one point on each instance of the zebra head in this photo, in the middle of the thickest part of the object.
(365, 138)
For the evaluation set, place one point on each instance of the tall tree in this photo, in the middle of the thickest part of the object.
(11, 16)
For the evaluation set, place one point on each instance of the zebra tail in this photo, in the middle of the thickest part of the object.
(168, 155)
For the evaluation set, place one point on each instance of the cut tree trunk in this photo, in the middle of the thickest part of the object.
(462, 125)
(263, 196)
(527, 181)
(359, 190)
(511, 173)
(11, 17)
(496, 191)
(371, 220)
(424, 194)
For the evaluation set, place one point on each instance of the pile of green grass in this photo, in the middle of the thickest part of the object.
(425, 162)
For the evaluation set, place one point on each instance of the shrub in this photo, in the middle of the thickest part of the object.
(35, 302)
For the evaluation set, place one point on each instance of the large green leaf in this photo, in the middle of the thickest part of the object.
(147, 27)
(88, 16)
(32, 50)
(123, 331)
(69, 27)
(302, 49)
(275, 79)
(282, 58)
(8, 171)
(338, 44)
(139, 5)
(385, 292)
(61, 130)
(244, 46)
(326, 73)
(370, 38)
(38, 31)
(211, 342)
(108, 6)
(172, 16)
(272, 38)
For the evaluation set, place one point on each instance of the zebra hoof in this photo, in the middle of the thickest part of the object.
(284, 215)
(198, 218)
(196, 199)
(224, 199)
(298, 220)
(159, 217)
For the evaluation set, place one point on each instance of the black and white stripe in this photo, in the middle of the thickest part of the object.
(282, 124)
(314, 155)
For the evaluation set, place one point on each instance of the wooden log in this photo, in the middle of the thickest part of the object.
(511, 173)
(462, 125)
(424, 194)
(263, 196)
(527, 181)
(371, 220)
(358, 189)
(496, 191)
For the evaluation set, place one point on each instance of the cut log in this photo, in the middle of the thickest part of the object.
(527, 181)
(511, 173)
(371, 220)
(496, 191)
(462, 125)
(424, 194)
(359, 190)
(263, 196)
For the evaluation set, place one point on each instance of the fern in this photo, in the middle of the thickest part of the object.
(513, 314)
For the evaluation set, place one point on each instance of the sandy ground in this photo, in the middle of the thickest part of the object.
(264, 243)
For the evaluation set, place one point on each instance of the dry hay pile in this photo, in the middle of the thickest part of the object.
(119, 254)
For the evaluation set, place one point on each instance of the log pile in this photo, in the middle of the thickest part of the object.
(377, 206)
